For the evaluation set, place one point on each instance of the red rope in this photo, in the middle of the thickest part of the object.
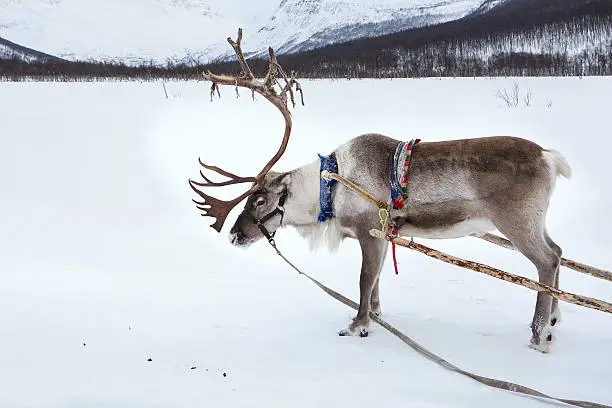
(393, 231)
(394, 258)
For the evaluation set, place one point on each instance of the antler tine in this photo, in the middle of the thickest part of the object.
(246, 71)
(289, 83)
(270, 78)
(209, 183)
(280, 101)
(214, 87)
(234, 179)
(219, 209)
(220, 171)
(298, 86)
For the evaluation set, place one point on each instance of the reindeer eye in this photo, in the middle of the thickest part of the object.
(260, 201)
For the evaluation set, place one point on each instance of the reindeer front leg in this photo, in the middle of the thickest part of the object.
(372, 257)
(375, 298)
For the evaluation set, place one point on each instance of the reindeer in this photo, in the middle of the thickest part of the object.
(457, 188)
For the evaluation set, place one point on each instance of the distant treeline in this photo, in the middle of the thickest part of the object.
(578, 47)
(574, 46)
(15, 69)
(520, 37)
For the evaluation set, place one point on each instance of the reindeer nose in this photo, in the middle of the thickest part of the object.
(235, 236)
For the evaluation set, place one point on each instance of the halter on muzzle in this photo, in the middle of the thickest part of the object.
(261, 221)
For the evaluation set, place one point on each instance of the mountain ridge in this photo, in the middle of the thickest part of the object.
(9, 49)
(193, 31)
(300, 25)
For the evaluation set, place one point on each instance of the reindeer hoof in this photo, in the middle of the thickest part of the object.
(542, 348)
(555, 318)
(361, 332)
(543, 342)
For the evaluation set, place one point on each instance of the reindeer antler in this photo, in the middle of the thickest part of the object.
(219, 209)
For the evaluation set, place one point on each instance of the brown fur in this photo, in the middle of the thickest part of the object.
(455, 188)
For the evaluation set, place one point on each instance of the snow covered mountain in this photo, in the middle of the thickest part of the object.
(300, 25)
(488, 5)
(9, 49)
(130, 31)
(195, 30)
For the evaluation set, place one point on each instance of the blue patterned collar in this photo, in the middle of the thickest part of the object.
(326, 187)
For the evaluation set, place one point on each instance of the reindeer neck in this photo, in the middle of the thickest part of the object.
(302, 207)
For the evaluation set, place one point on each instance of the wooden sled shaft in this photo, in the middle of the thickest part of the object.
(499, 274)
(568, 263)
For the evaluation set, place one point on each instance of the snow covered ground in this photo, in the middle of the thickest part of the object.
(105, 263)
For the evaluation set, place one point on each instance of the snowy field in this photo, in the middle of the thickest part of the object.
(105, 262)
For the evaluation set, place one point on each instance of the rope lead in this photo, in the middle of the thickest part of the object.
(491, 382)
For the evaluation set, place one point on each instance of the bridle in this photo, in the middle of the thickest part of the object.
(280, 209)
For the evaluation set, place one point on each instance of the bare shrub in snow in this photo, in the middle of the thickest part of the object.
(549, 103)
(511, 99)
(527, 99)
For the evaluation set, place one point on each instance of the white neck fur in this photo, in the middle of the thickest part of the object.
(302, 209)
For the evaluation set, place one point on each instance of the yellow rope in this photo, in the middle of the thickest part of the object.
(383, 215)
(329, 175)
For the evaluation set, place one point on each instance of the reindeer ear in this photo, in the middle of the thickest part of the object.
(280, 180)
(285, 179)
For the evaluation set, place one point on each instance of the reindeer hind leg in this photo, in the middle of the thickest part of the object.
(527, 234)
(555, 316)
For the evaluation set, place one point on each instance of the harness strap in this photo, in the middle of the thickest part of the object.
(280, 209)
(399, 173)
(327, 175)
(330, 164)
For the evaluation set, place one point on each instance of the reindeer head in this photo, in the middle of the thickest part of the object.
(262, 194)
(263, 212)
